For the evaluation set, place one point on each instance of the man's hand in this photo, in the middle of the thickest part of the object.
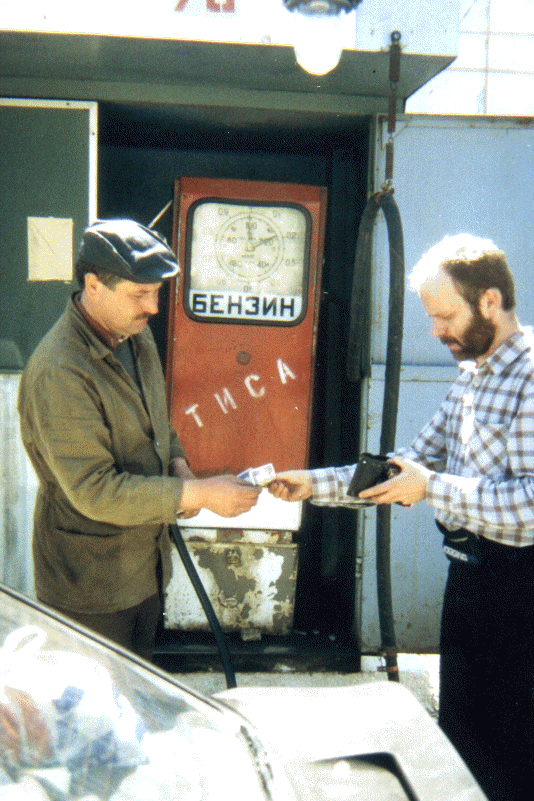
(227, 496)
(407, 487)
(295, 485)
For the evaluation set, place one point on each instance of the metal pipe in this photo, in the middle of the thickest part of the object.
(359, 365)
(203, 597)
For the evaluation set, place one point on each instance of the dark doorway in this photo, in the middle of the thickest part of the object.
(142, 150)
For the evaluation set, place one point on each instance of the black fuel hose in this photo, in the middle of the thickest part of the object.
(209, 611)
(359, 366)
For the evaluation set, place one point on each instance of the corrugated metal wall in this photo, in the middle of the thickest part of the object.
(17, 493)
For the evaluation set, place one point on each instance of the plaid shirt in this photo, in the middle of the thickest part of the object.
(330, 485)
(479, 446)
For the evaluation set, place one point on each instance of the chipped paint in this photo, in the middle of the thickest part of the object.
(257, 537)
(251, 587)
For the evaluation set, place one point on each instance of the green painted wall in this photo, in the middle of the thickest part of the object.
(44, 169)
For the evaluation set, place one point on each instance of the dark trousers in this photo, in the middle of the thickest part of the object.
(487, 668)
(133, 628)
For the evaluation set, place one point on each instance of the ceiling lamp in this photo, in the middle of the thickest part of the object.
(318, 37)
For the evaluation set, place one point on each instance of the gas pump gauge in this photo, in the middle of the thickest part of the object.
(243, 323)
(247, 262)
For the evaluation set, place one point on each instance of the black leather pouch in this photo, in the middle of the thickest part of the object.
(460, 545)
(371, 470)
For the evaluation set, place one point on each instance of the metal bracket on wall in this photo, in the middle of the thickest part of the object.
(394, 75)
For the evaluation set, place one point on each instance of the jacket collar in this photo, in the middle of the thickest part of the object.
(98, 343)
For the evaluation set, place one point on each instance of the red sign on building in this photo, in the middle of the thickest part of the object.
(211, 5)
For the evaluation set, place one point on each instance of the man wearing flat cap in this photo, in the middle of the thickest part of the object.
(94, 421)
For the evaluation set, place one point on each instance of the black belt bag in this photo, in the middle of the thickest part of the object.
(461, 545)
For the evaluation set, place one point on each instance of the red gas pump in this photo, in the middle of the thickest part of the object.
(240, 367)
(243, 325)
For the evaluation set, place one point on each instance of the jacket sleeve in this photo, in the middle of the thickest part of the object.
(71, 444)
(177, 451)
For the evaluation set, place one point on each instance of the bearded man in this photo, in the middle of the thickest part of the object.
(473, 463)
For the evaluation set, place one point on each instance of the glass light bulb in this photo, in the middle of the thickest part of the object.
(318, 40)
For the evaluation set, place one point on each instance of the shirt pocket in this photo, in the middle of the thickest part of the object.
(488, 444)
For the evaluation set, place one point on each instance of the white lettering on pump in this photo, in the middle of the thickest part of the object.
(225, 401)
(193, 411)
(284, 372)
(256, 393)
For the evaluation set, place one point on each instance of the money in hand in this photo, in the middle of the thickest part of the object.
(259, 476)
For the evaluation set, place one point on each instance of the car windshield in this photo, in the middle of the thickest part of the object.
(79, 720)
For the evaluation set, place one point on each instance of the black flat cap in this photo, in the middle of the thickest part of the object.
(129, 250)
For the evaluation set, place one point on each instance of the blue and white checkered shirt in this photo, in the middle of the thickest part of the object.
(479, 446)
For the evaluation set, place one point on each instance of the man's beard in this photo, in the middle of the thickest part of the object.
(476, 339)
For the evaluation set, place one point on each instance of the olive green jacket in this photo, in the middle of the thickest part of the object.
(101, 451)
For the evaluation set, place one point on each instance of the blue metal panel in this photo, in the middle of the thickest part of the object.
(417, 561)
(454, 175)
